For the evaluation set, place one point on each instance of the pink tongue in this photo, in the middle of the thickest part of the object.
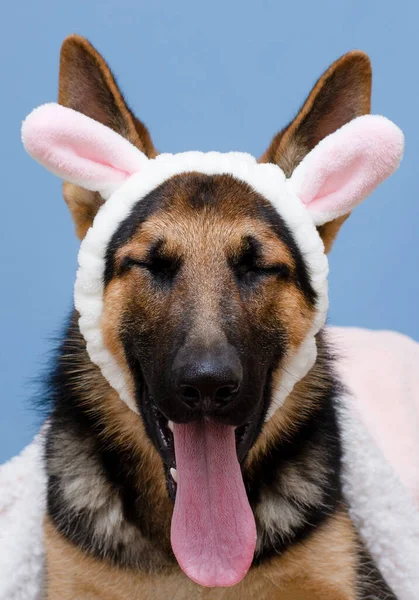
(213, 528)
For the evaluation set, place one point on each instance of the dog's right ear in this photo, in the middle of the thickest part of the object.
(341, 94)
(86, 84)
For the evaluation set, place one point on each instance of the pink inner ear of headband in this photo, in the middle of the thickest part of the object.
(347, 165)
(79, 149)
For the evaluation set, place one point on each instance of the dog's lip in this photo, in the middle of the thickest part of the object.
(164, 437)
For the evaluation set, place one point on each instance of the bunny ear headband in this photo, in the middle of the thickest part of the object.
(340, 172)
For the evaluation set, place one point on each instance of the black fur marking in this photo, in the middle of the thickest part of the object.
(204, 194)
(268, 213)
(370, 582)
(141, 211)
(319, 433)
(248, 266)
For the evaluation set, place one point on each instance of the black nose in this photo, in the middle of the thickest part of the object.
(208, 379)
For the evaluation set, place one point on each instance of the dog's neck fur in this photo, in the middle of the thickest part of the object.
(107, 489)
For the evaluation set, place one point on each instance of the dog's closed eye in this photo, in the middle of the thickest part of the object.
(162, 268)
(250, 265)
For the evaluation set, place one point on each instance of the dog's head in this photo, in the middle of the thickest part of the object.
(202, 282)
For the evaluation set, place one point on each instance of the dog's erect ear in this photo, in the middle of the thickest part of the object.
(342, 93)
(86, 84)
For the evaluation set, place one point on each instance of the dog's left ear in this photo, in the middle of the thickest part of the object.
(87, 85)
(341, 94)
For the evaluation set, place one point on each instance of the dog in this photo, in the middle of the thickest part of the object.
(205, 486)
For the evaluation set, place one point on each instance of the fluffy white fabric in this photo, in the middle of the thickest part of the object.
(22, 507)
(382, 507)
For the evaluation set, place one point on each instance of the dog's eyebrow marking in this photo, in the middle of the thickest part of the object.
(249, 251)
(245, 254)
(128, 228)
(273, 219)
(154, 251)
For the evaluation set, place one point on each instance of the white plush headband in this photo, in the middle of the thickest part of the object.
(330, 181)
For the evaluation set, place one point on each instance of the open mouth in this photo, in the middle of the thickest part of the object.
(213, 531)
(164, 429)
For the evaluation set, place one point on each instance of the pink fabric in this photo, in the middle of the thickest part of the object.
(381, 369)
(79, 149)
(346, 166)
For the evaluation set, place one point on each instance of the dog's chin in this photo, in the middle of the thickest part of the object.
(160, 431)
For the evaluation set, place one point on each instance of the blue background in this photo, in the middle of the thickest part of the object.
(208, 76)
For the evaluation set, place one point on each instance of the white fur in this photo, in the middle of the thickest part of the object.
(266, 179)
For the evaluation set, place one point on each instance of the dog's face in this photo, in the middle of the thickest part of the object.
(205, 288)
(206, 291)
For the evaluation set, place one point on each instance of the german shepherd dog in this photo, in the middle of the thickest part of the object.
(201, 340)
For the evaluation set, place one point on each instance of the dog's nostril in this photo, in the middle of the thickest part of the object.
(207, 391)
(190, 393)
(225, 392)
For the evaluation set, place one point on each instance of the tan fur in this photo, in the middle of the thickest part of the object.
(114, 303)
(329, 231)
(83, 206)
(323, 568)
